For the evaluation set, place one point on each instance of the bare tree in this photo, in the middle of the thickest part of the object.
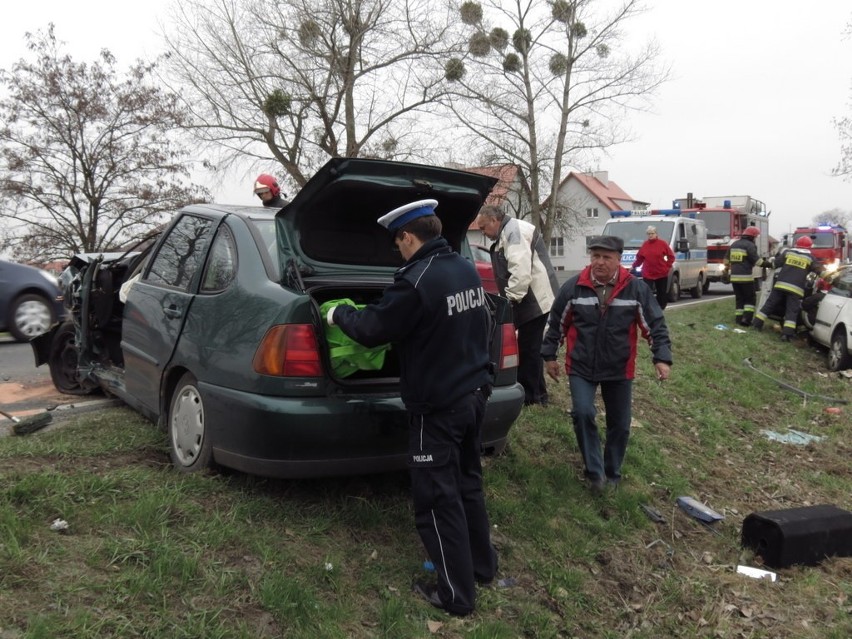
(87, 158)
(299, 81)
(834, 216)
(546, 87)
(844, 129)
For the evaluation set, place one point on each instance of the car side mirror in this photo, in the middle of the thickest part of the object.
(682, 246)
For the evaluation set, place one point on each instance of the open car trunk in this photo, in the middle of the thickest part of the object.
(332, 247)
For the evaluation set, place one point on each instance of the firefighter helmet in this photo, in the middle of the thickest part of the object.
(751, 231)
(804, 242)
(266, 182)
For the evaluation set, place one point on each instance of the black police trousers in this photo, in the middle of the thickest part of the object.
(449, 502)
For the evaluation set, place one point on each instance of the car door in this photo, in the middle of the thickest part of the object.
(835, 306)
(158, 304)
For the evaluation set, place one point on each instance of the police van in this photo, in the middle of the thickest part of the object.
(686, 234)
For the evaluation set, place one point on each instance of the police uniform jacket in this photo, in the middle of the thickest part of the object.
(795, 264)
(742, 256)
(436, 316)
(522, 270)
(601, 341)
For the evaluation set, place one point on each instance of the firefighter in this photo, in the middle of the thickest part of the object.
(267, 189)
(742, 258)
(789, 287)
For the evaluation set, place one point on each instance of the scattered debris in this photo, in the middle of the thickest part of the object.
(721, 327)
(653, 514)
(756, 573)
(833, 410)
(789, 387)
(699, 511)
(739, 330)
(792, 436)
(29, 424)
(59, 525)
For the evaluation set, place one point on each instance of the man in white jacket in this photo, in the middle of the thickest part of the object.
(525, 276)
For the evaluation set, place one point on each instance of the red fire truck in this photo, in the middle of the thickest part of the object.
(726, 217)
(831, 245)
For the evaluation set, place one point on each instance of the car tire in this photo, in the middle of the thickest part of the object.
(189, 442)
(64, 360)
(698, 290)
(30, 315)
(838, 355)
(674, 290)
(706, 286)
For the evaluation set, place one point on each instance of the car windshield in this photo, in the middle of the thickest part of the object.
(633, 232)
(821, 240)
(718, 223)
(480, 253)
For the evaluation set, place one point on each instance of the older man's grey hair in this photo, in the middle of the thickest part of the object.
(489, 210)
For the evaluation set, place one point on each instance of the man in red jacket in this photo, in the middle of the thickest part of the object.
(656, 258)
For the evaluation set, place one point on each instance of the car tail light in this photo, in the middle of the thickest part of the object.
(289, 350)
(509, 347)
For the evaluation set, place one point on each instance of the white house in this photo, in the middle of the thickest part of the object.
(586, 200)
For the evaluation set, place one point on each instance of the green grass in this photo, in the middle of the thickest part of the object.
(154, 553)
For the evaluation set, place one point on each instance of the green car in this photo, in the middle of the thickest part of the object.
(214, 331)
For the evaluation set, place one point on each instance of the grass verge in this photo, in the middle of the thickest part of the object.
(153, 553)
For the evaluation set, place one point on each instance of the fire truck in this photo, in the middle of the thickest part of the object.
(831, 244)
(726, 217)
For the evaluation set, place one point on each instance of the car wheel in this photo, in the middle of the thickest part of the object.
(64, 360)
(698, 291)
(191, 448)
(706, 286)
(838, 355)
(674, 291)
(29, 316)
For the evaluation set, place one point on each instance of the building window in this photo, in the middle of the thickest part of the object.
(592, 212)
(557, 249)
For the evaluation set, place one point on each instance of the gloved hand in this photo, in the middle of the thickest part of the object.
(330, 316)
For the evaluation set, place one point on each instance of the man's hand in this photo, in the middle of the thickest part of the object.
(552, 369)
(663, 371)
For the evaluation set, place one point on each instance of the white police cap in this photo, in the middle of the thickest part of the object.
(402, 215)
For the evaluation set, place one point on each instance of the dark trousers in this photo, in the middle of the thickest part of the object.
(617, 398)
(661, 290)
(530, 364)
(778, 302)
(449, 503)
(744, 299)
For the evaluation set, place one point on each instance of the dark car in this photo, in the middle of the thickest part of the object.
(482, 260)
(30, 300)
(221, 340)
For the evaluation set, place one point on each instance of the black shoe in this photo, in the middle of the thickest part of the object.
(612, 483)
(786, 338)
(597, 485)
(757, 325)
(428, 592)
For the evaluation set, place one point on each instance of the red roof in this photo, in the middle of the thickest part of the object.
(606, 193)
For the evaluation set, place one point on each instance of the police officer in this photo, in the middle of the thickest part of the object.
(742, 258)
(435, 315)
(267, 189)
(789, 288)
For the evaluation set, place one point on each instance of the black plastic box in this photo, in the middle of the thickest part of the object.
(804, 535)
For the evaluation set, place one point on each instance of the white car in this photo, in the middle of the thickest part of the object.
(832, 326)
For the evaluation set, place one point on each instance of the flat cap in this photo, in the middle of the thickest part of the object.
(606, 242)
(402, 215)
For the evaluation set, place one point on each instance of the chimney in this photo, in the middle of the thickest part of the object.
(602, 177)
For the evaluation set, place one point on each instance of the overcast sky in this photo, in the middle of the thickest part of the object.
(756, 84)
